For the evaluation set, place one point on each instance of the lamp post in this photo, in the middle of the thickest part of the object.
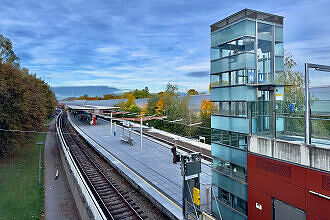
(317, 67)
(39, 144)
(111, 123)
(141, 133)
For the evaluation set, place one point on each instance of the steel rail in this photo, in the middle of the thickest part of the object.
(94, 176)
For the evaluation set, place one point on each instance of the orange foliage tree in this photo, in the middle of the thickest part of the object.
(205, 111)
(160, 107)
(130, 101)
(144, 109)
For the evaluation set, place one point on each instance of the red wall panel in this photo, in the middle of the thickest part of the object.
(310, 216)
(265, 180)
(314, 181)
(297, 173)
(264, 200)
(317, 205)
(281, 190)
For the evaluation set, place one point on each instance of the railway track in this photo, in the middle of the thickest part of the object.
(114, 203)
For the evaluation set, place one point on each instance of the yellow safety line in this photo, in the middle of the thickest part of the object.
(207, 215)
(132, 171)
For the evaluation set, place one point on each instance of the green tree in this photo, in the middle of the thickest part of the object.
(293, 92)
(146, 90)
(171, 89)
(134, 109)
(121, 105)
(7, 55)
(84, 97)
(152, 105)
(139, 94)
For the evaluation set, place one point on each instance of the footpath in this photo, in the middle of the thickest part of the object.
(59, 202)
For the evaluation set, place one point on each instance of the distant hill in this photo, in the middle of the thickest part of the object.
(76, 91)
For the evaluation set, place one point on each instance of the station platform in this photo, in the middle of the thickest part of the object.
(150, 168)
(183, 143)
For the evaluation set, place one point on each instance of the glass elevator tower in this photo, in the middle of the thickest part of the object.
(246, 72)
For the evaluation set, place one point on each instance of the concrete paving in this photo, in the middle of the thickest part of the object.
(59, 202)
(153, 163)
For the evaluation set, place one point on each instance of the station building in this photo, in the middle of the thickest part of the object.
(260, 170)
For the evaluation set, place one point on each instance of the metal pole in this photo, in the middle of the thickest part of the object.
(307, 107)
(141, 134)
(39, 162)
(274, 123)
(250, 117)
(111, 123)
(129, 130)
(123, 127)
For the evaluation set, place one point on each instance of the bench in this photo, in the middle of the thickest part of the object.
(126, 139)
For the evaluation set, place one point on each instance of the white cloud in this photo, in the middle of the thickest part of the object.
(195, 67)
(82, 43)
(45, 61)
(109, 49)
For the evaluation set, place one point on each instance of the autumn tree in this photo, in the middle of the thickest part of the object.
(205, 111)
(25, 103)
(192, 92)
(109, 97)
(176, 108)
(144, 110)
(130, 101)
(83, 97)
(160, 107)
(130, 104)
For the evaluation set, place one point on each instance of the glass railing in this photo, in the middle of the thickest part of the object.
(320, 120)
(285, 120)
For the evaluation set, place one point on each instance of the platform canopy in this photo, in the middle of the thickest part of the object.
(91, 108)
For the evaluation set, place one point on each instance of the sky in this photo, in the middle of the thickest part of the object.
(137, 43)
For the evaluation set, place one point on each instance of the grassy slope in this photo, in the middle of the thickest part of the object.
(20, 195)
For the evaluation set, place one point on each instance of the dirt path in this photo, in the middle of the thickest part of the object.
(59, 202)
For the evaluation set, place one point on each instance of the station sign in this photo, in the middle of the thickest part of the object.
(261, 77)
(251, 77)
(291, 107)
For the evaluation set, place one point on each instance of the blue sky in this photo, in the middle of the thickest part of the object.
(138, 43)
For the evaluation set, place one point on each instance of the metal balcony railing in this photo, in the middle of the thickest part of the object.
(286, 120)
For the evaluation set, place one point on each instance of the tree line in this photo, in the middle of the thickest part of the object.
(25, 101)
(137, 93)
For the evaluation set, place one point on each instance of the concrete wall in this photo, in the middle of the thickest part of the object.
(302, 154)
